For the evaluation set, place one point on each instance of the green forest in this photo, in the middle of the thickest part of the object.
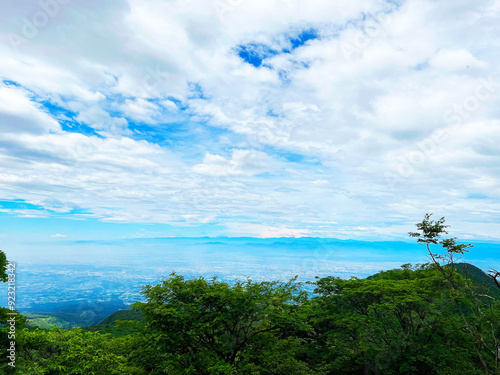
(442, 317)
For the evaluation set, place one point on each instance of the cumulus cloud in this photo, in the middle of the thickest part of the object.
(101, 121)
(19, 114)
(242, 162)
(140, 110)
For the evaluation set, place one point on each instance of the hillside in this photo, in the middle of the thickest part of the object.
(119, 323)
(46, 321)
(479, 278)
(69, 314)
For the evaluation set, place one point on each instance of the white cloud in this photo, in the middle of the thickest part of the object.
(264, 231)
(19, 114)
(455, 59)
(242, 162)
(101, 121)
(170, 105)
(140, 110)
(263, 136)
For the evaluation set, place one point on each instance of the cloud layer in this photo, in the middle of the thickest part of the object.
(264, 118)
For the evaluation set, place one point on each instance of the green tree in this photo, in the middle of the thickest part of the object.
(7, 336)
(479, 312)
(210, 327)
(396, 322)
(3, 266)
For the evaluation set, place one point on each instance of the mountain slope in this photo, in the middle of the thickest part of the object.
(479, 278)
(119, 323)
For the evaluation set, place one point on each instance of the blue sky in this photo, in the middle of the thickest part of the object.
(346, 119)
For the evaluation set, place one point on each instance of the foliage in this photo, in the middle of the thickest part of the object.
(210, 327)
(429, 232)
(6, 336)
(71, 351)
(3, 266)
(478, 311)
(45, 321)
(397, 322)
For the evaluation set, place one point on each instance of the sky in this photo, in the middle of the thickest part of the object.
(184, 118)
